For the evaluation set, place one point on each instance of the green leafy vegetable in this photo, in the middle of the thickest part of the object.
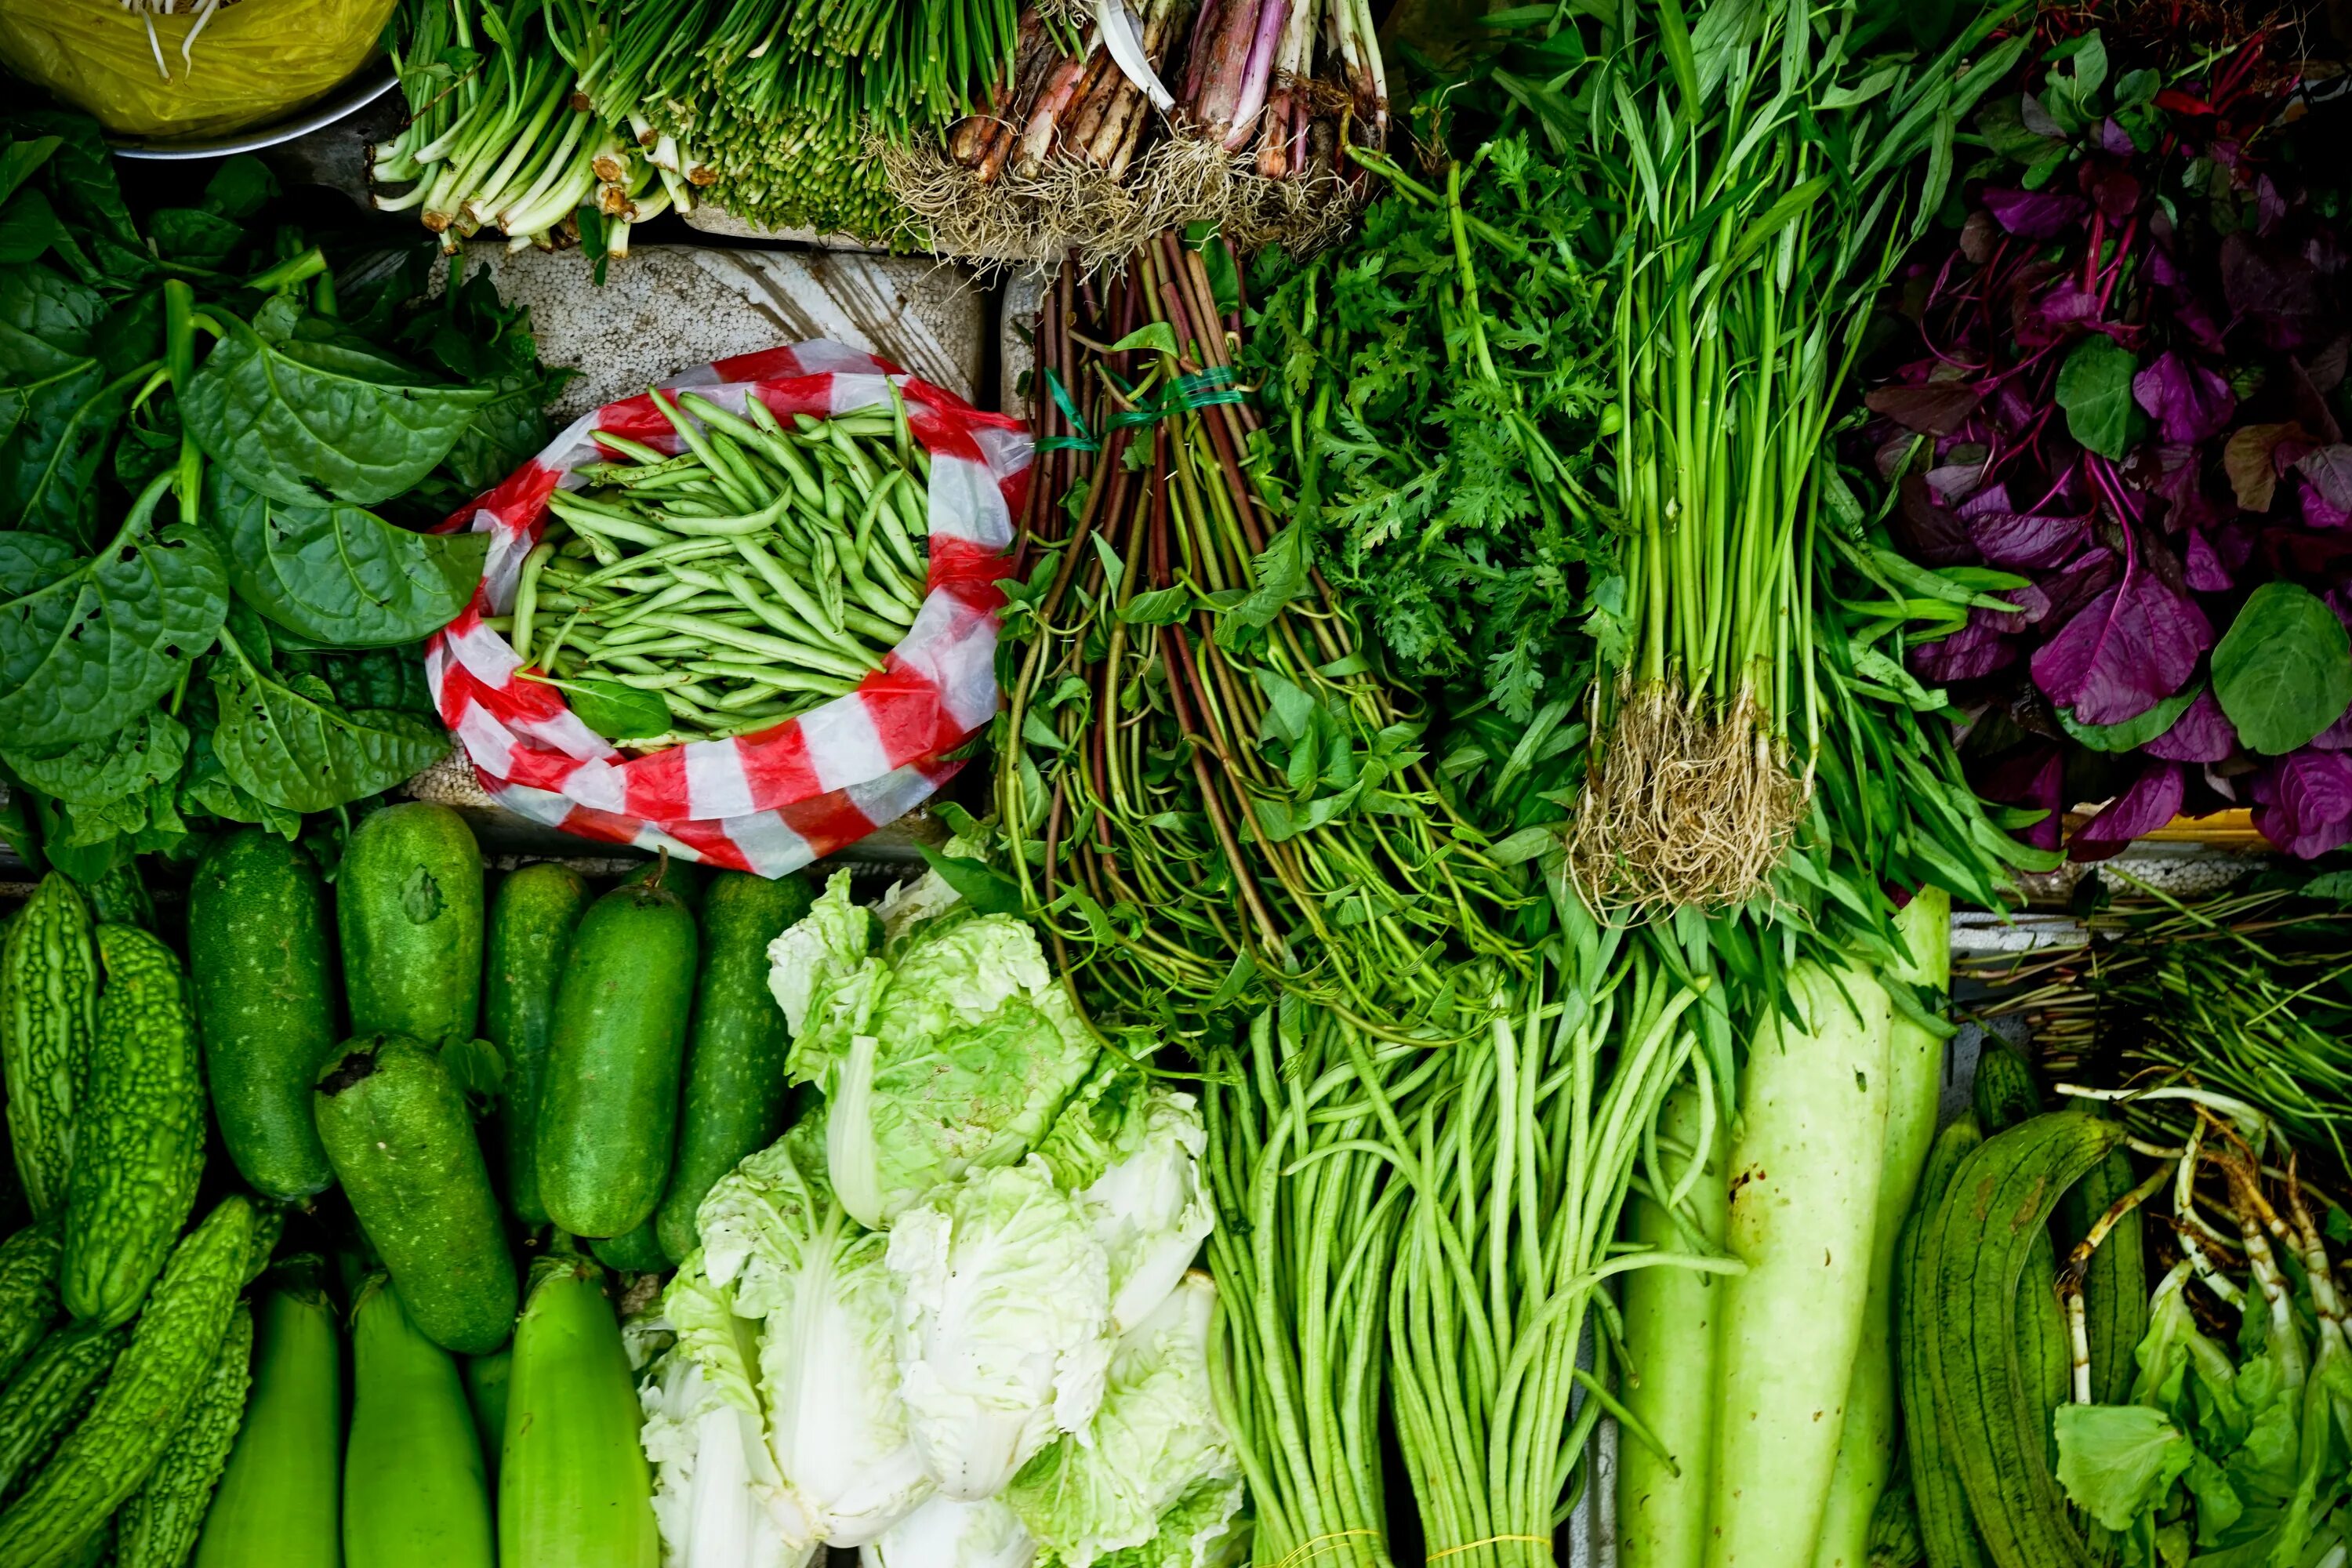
(340, 574)
(2283, 672)
(287, 744)
(2095, 388)
(2117, 1461)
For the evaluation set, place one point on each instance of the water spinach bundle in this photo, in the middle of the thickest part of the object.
(1769, 181)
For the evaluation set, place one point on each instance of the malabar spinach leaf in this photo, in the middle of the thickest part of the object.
(341, 575)
(148, 751)
(287, 744)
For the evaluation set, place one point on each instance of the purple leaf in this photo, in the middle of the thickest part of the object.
(2153, 800)
(2025, 541)
(1938, 409)
(2201, 734)
(2129, 650)
(2190, 401)
(2303, 803)
(2114, 139)
(2279, 288)
(2329, 469)
(1927, 533)
(2206, 573)
(2318, 512)
(2063, 305)
(2034, 778)
(2336, 737)
(2113, 190)
(1976, 649)
(1956, 481)
(2062, 596)
(2247, 458)
(2035, 214)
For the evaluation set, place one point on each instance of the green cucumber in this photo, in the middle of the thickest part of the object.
(48, 1016)
(735, 1083)
(1939, 1500)
(396, 1129)
(689, 881)
(28, 1290)
(258, 940)
(48, 1394)
(609, 1118)
(139, 1139)
(531, 921)
(413, 1492)
(1975, 1254)
(574, 1490)
(408, 903)
(485, 1393)
(158, 1527)
(277, 1499)
(139, 1409)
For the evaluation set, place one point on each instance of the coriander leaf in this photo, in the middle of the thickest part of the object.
(2117, 1461)
(341, 575)
(293, 405)
(87, 642)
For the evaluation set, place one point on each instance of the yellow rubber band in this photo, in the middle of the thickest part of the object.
(1307, 1549)
(1544, 1541)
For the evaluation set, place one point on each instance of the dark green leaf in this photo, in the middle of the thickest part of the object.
(145, 752)
(339, 574)
(511, 427)
(1279, 576)
(613, 711)
(2095, 388)
(290, 750)
(86, 643)
(193, 236)
(81, 172)
(1158, 608)
(981, 885)
(2283, 672)
(292, 405)
(239, 187)
(20, 158)
(28, 226)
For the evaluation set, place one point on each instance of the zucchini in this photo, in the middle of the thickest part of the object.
(735, 1083)
(141, 1138)
(485, 1393)
(157, 1528)
(610, 1115)
(1974, 1254)
(1670, 1351)
(258, 941)
(48, 1016)
(413, 1492)
(530, 931)
(277, 1499)
(138, 1411)
(1915, 1065)
(1937, 1497)
(408, 903)
(1805, 1171)
(397, 1132)
(574, 1490)
(28, 1290)
(48, 1394)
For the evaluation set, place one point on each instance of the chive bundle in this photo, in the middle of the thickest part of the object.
(761, 571)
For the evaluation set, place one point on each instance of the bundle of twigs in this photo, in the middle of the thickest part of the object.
(1084, 147)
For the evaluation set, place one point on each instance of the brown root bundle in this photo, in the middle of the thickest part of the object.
(1683, 807)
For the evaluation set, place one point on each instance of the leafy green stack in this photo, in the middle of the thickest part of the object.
(947, 1317)
(211, 595)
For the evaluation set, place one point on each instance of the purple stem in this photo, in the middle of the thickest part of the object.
(1196, 53)
(1258, 74)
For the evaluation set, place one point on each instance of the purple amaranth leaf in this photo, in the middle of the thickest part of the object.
(2026, 541)
(2035, 779)
(2190, 401)
(2319, 513)
(2175, 473)
(2202, 734)
(2053, 600)
(1926, 532)
(2280, 289)
(2336, 737)
(2329, 469)
(2126, 651)
(2038, 119)
(1976, 649)
(2269, 207)
(1955, 482)
(2036, 215)
(2055, 311)
(2249, 458)
(2153, 800)
(1937, 409)
(2113, 190)
(2207, 573)
(2303, 803)
(2327, 368)
(2114, 139)
(1977, 237)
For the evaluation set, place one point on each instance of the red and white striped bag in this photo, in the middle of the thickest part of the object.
(773, 801)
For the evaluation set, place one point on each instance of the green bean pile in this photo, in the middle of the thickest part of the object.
(761, 571)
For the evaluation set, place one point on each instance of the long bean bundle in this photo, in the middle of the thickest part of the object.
(1769, 185)
(1208, 789)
